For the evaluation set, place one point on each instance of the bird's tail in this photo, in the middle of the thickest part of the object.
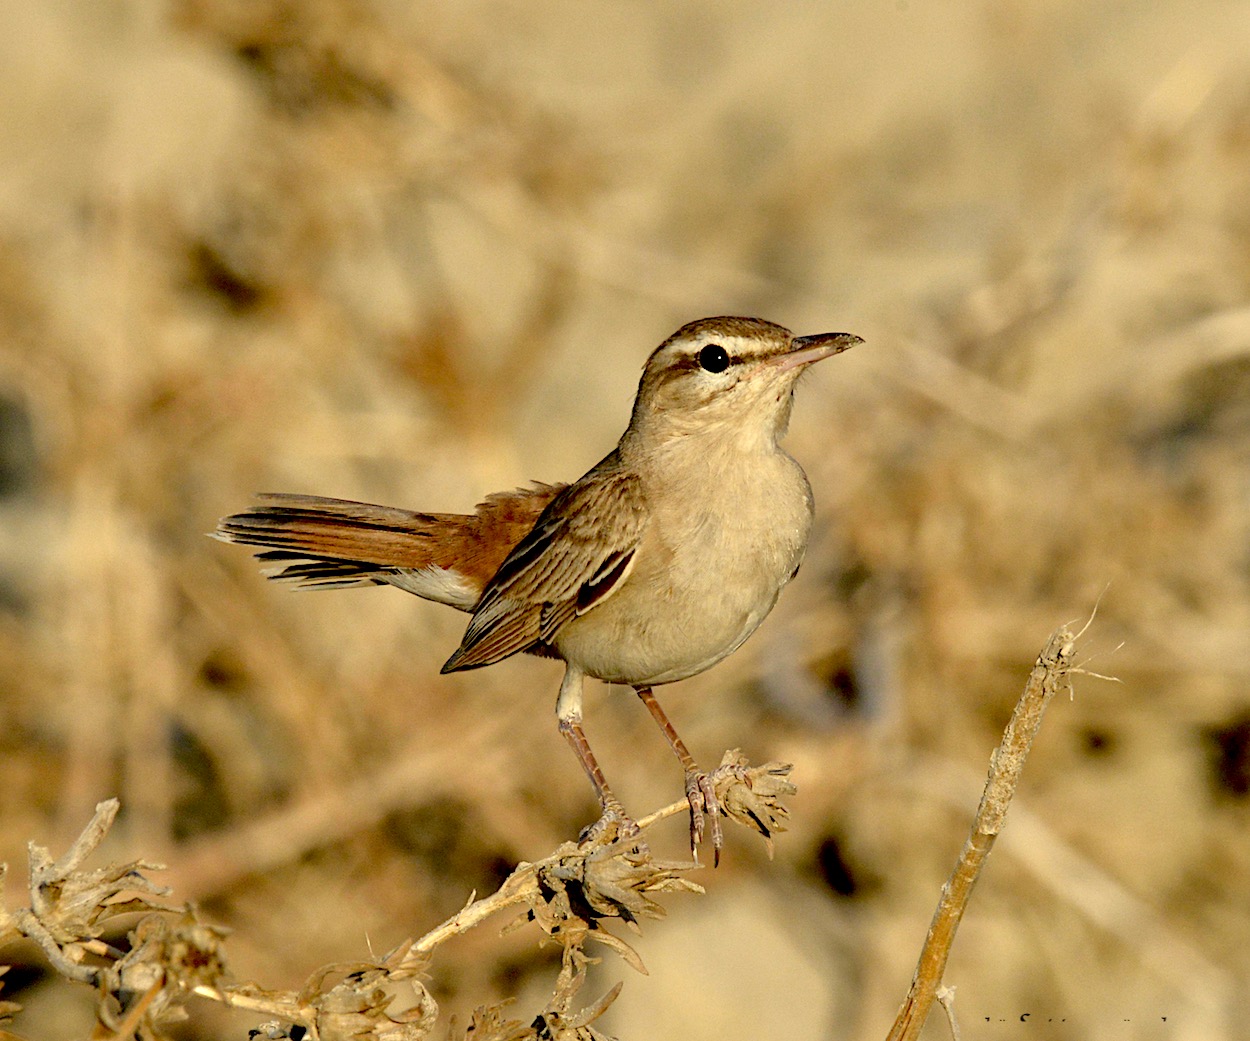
(319, 543)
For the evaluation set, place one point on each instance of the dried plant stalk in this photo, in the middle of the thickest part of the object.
(571, 896)
(1006, 764)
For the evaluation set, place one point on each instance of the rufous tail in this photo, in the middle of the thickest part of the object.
(320, 543)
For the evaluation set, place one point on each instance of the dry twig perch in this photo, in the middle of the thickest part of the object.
(570, 895)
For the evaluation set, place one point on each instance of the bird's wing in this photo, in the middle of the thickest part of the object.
(576, 556)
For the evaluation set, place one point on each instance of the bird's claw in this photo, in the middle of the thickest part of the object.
(613, 825)
(705, 810)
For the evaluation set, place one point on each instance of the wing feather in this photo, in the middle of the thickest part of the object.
(577, 554)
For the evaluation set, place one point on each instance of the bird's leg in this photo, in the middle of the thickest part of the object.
(569, 713)
(699, 789)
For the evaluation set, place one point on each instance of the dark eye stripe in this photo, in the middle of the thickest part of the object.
(693, 363)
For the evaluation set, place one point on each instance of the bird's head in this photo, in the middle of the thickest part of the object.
(723, 376)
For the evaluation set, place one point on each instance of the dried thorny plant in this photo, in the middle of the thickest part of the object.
(573, 895)
(171, 952)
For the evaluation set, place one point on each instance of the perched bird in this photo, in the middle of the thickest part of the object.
(651, 568)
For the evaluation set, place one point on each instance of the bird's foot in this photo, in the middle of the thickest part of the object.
(706, 809)
(613, 825)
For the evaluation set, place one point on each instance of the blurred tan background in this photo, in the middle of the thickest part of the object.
(414, 253)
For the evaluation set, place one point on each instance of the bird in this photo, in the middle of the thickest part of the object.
(655, 565)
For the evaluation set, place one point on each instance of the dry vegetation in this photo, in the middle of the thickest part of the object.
(415, 253)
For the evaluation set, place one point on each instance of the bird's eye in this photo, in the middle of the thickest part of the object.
(713, 358)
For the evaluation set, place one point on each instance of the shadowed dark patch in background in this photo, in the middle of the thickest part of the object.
(1229, 757)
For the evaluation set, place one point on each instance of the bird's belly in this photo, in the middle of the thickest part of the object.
(657, 641)
(689, 604)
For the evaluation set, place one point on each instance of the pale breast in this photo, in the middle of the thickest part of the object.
(716, 553)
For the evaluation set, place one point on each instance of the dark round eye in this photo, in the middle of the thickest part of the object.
(713, 358)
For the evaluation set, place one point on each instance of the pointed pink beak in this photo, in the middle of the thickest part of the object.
(804, 350)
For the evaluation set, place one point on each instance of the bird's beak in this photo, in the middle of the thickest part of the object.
(807, 349)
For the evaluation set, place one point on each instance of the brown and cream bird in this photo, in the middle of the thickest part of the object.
(654, 566)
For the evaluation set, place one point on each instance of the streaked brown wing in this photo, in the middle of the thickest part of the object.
(577, 554)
